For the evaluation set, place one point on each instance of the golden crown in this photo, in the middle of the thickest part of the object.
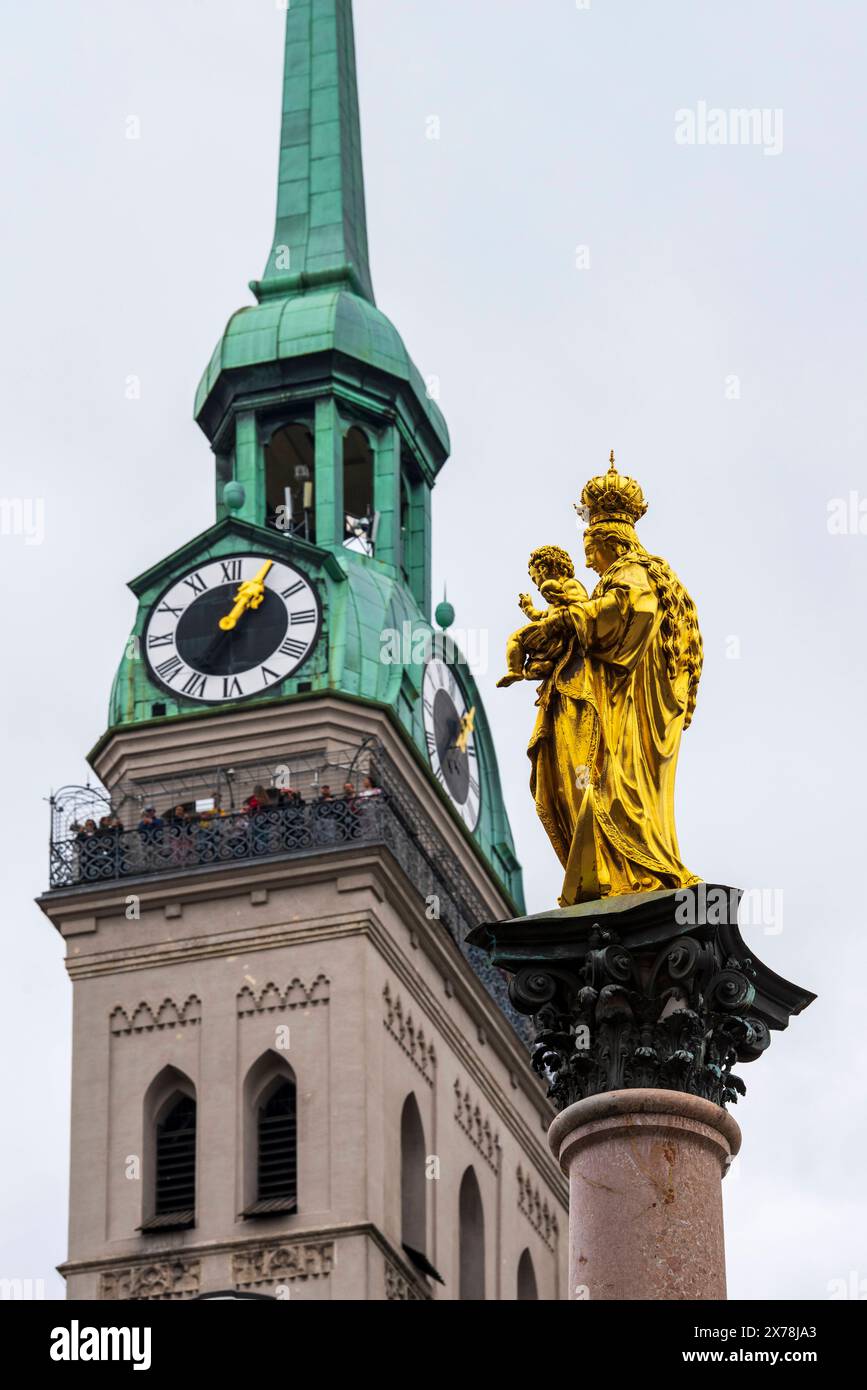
(612, 497)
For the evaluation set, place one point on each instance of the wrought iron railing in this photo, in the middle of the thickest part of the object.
(390, 816)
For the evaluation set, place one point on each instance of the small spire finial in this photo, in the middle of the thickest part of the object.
(611, 468)
(445, 613)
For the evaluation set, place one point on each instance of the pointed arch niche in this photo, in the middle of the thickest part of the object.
(169, 1152)
(528, 1290)
(413, 1183)
(471, 1219)
(359, 517)
(270, 1138)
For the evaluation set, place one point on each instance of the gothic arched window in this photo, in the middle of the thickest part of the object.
(413, 1183)
(277, 1157)
(359, 516)
(527, 1289)
(176, 1159)
(169, 1167)
(290, 482)
(168, 1153)
(270, 1137)
(472, 1238)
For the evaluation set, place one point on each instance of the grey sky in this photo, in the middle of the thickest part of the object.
(557, 131)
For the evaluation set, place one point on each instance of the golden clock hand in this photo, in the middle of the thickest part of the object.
(250, 595)
(467, 725)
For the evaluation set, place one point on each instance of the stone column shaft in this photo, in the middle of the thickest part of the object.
(645, 1169)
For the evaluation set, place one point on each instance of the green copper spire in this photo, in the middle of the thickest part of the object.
(327, 443)
(320, 236)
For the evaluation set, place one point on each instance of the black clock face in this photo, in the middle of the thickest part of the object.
(451, 743)
(204, 647)
(231, 629)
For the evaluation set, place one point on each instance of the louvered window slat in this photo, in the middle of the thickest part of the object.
(176, 1159)
(277, 1157)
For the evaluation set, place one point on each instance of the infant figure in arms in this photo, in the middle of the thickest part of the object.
(532, 651)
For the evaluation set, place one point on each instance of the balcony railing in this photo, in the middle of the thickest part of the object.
(107, 854)
(391, 817)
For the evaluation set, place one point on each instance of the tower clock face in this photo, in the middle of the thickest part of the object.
(231, 629)
(451, 744)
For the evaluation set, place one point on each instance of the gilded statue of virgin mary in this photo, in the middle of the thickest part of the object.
(619, 674)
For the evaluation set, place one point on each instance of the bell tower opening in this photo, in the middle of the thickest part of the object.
(359, 516)
(290, 482)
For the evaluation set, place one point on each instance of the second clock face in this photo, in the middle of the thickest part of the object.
(232, 628)
(448, 722)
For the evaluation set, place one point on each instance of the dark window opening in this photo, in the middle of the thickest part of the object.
(471, 1222)
(277, 1152)
(413, 1180)
(359, 530)
(405, 522)
(290, 482)
(527, 1288)
(176, 1160)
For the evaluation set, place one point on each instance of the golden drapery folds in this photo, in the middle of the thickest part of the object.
(618, 689)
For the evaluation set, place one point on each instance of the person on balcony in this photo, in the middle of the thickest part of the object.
(86, 843)
(371, 798)
(209, 830)
(350, 821)
(102, 849)
(263, 805)
(150, 822)
(150, 829)
(369, 789)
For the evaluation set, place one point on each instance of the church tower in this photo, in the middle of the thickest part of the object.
(292, 1076)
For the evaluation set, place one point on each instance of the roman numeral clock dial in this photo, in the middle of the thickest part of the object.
(231, 629)
(451, 744)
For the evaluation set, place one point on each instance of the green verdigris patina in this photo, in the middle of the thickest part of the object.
(315, 351)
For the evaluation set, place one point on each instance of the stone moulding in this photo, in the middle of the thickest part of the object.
(144, 1019)
(296, 995)
(654, 990)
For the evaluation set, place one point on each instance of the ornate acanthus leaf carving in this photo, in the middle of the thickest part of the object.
(281, 1263)
(162, 1280)
(145, 1019)
(296, 995)
(478, 1128)
(537, 1210)
(652, 990)
(410, 1038)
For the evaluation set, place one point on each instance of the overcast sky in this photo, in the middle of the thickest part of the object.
(578, 279)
